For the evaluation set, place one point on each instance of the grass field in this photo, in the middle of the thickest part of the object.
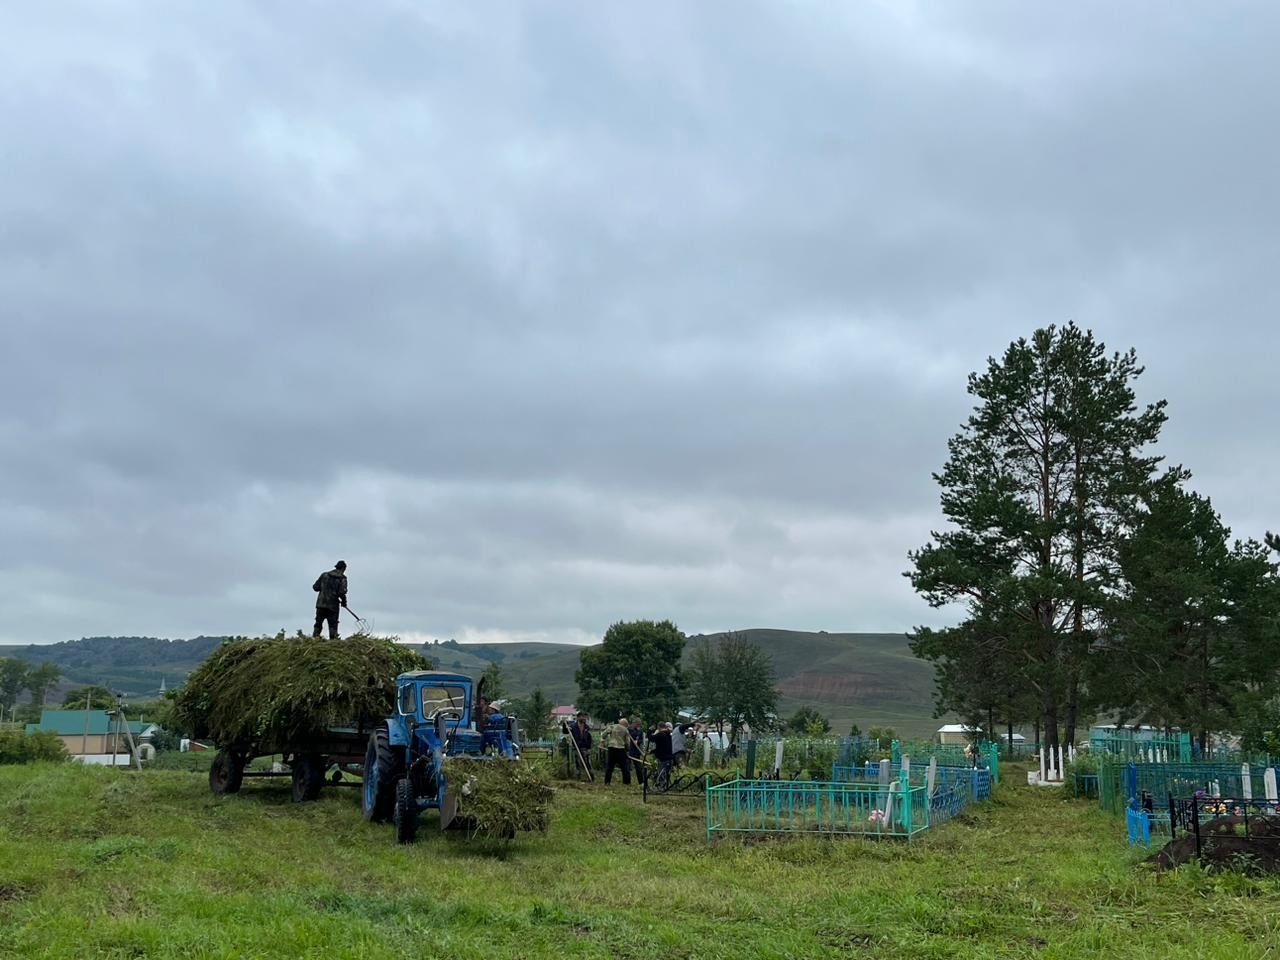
(109, 864)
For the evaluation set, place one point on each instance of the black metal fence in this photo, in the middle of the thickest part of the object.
(668, 783)
(1248, 820)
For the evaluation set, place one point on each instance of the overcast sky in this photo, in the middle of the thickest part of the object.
(551, 317)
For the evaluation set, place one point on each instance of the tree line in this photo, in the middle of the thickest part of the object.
(1092, 578)
(729, 682)
(18, 675)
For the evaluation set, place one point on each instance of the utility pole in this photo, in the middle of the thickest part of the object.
(84, 739)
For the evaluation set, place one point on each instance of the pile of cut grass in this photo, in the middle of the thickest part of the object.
(270, 691)
(499, 798)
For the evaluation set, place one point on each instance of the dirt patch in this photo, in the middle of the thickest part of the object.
(13, 892)
(1223, 846)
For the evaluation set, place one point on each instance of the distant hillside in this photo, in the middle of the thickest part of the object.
(863, 678)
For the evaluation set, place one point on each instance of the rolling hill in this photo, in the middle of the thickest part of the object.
(863, 678)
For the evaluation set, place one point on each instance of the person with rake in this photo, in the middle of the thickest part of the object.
(331, 595)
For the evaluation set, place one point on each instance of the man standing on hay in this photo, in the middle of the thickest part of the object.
(331, 594)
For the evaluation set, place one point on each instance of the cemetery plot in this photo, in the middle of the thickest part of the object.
(871, 799)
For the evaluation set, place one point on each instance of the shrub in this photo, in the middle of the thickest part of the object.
(1083, 763)
(18, 747)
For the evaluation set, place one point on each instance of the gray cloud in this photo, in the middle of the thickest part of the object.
(546, 318)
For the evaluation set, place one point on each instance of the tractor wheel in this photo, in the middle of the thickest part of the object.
(383, 766)
(308, 778)
(227, 772)
(406, 812)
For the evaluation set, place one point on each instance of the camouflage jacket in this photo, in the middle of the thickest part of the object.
(331, 590)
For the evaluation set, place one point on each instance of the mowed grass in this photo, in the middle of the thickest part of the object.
(110, 864)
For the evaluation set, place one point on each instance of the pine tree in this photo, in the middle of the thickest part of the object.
(1039, 484)
(977, 672)
(1193, 627)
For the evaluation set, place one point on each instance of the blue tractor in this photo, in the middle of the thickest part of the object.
(435, 718)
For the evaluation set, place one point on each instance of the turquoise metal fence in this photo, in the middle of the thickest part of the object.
(773, 806)
(1119, 782)
(1141, 746)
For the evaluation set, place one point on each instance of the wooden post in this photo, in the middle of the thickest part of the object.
(777, 759)
(1246, 782)
(931, 777)
(1269, 784)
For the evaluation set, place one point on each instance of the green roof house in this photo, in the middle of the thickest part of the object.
(88, 733)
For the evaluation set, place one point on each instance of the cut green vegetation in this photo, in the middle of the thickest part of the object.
(276, 689)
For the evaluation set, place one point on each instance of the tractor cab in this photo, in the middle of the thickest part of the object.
(442, 711)
(424, 695)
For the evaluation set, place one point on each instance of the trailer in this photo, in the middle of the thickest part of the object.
(312, 762)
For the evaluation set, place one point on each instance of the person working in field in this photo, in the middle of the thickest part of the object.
(581, 735)
(331, 595)
(660, 740)
(617, 738)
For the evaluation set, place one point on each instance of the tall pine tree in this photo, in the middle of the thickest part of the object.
(1039, 485)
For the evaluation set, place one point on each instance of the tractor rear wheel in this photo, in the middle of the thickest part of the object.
(383, 767)
(308, 778)
(227, 772)
(406, 812)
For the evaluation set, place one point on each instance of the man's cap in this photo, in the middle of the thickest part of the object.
(340, 565)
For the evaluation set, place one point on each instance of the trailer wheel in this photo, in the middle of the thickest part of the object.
(383, 766)
(227, 772)
(308, 778)
(406, 812)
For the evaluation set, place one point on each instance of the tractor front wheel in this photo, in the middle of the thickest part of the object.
(227, 773)
(383, 766)
(406, 812)
(308, 778)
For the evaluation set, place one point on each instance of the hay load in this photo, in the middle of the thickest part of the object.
(276, 690)
(498, 798)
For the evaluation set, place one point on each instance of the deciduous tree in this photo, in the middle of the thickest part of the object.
(731, 683)
(13, 679)
(636, 668)
(40, 677)
(807, 721)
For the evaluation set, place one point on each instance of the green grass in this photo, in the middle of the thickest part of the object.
(112, 864)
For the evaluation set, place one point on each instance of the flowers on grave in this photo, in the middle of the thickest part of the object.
(878, 818)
